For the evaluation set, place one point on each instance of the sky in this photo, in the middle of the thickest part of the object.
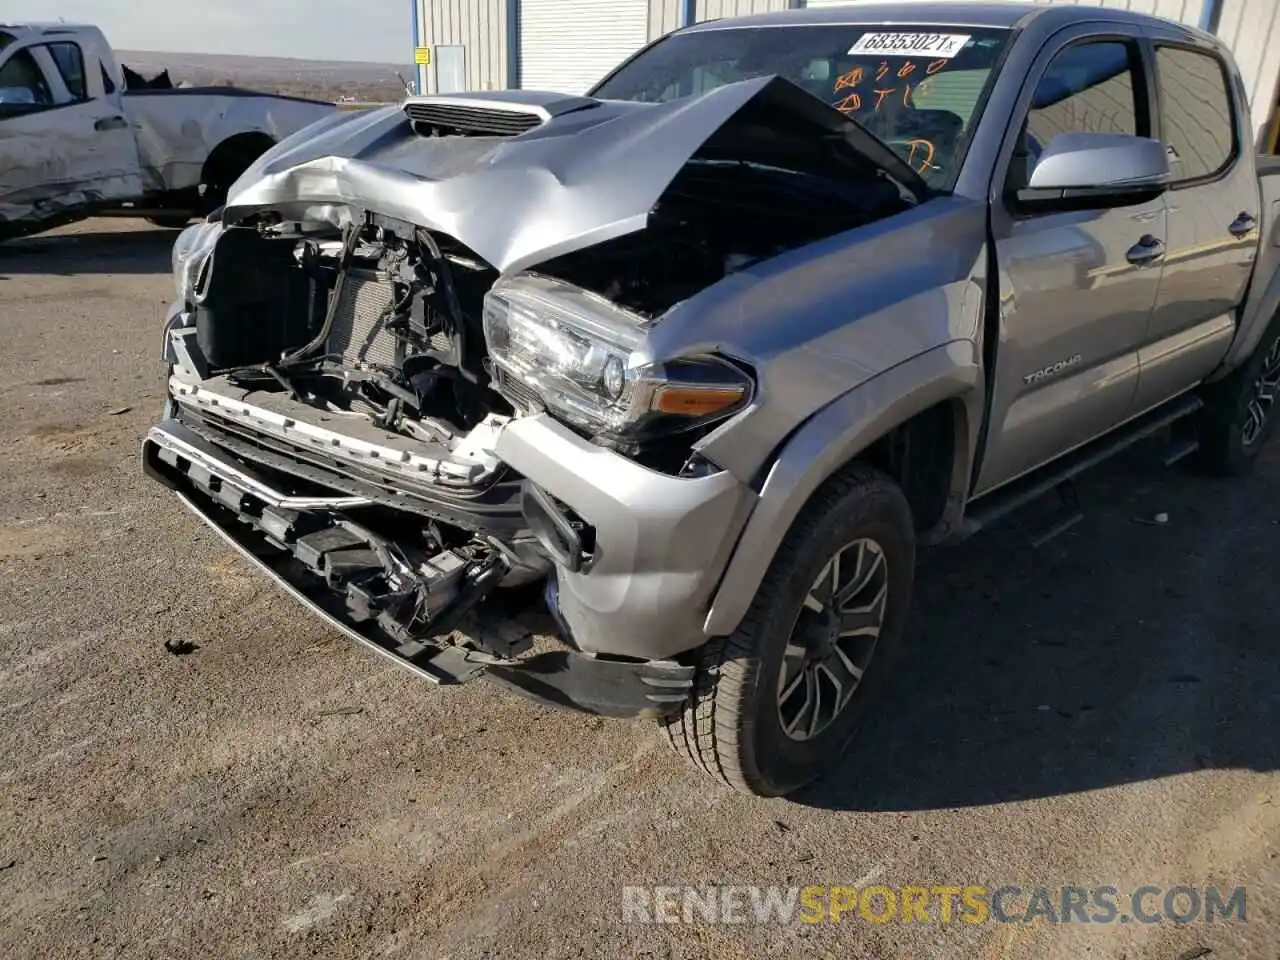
(379, 31)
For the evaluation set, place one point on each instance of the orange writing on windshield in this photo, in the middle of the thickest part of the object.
(849, 81)
(850, 104)
(923, 147)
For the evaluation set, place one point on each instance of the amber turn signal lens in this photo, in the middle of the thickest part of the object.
(689, 401)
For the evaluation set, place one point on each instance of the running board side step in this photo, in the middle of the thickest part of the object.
(1058, 475)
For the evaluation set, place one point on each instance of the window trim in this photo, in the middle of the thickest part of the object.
(1237, 146)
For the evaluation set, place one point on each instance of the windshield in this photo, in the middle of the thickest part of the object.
(920, 89)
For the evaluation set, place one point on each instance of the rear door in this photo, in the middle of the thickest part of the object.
(64, 141)
(1076, 288)
(1214, 216)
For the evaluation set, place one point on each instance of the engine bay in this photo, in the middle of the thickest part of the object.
(383, 319)
(370, 321)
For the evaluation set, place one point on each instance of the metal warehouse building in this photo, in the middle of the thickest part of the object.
(568, 45)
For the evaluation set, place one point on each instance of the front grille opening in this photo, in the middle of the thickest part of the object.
(440, 120)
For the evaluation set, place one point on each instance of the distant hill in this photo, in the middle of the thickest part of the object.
(319, 79)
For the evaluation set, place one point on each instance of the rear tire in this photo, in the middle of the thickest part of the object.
(1240, 410)
(750, 721)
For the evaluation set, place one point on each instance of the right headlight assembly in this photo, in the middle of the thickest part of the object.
(574, 352)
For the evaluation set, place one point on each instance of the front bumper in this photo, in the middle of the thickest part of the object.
(625, 610)
(661, 543)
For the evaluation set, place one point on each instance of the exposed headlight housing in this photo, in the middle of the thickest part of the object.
(191, 252)
(576, 353)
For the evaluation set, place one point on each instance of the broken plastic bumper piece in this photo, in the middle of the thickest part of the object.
(442, 629)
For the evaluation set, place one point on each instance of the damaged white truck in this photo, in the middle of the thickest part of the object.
(77, 140)
(695, 362)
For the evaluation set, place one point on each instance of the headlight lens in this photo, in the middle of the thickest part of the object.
(575, 352)
(191, 251)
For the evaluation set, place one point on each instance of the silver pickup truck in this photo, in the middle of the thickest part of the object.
(77, 139)
(695, 363)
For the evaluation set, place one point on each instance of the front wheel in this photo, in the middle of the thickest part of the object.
(777, 703)
(1239, 413)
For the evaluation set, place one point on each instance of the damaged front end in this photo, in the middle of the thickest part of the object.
(409, 375)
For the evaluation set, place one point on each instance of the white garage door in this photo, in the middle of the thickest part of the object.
(568, 45)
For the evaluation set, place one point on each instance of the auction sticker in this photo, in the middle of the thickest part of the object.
(938, 45)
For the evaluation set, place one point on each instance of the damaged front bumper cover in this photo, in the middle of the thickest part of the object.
(263, 524)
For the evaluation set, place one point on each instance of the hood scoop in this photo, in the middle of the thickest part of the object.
(504, 114)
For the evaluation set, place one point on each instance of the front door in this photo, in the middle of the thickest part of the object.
(1076, 288)
(64, 139)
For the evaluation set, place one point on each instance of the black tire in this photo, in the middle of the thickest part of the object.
(175, 221)
(1230, 439)
(732, 727)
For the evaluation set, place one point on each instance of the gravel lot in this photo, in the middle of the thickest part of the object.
(1103, 711)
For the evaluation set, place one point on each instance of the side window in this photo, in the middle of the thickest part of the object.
(70, 63)
(22, 83)
(108, 85)
(1196, 114)
(1087, 88)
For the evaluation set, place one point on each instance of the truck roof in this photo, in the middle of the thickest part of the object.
(993, 13)
(23, 31)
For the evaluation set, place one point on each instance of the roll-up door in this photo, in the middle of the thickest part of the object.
(568, 45)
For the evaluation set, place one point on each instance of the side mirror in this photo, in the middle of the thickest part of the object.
(1097, 170)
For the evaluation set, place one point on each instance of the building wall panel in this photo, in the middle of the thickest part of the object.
(665, 16)
(715, 9)
(1252, 29)
(478, 25)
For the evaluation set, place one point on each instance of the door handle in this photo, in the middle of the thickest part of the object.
(1243, 225)
(1145, 251)
(111, 123)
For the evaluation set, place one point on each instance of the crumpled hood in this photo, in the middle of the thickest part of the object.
(590, 172)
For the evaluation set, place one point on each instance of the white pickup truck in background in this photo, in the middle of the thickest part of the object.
(76, 141)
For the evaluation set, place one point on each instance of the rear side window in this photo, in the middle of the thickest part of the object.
(1196, 113)
(108, 84)
(70, 63)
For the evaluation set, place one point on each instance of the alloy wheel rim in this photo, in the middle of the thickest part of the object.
(833, 639)
(1261, 404)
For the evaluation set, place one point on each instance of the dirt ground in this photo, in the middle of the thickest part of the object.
(1104, 711)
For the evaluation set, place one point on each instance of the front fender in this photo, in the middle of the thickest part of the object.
(832, 438)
